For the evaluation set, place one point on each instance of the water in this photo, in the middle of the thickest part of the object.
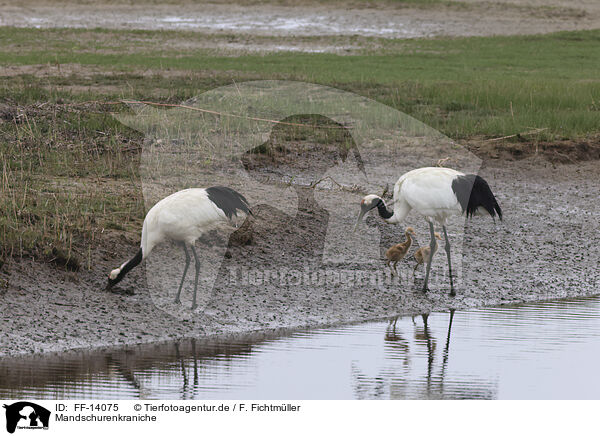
(546, 350)
(262, 21)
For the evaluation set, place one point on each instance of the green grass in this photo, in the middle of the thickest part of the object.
(64, 168)
(58, 190)
(463, 87)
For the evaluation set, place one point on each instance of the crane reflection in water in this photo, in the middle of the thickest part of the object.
(479, 353)
(192, 369)
(404, 381)
(408, 367)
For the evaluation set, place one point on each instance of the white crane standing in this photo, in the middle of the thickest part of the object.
(437, 194)
(183, 217)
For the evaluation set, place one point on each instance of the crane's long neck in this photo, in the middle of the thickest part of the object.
(401, 209)
(408, 239)
(131, 263)
(117, 275)
(383, 210)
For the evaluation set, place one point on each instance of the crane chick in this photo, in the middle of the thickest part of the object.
(422, 255)
(397, 252)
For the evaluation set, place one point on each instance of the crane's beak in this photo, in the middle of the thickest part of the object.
(360, 217)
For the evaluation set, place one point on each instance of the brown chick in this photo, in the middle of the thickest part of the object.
(422, 254)
(397, 252)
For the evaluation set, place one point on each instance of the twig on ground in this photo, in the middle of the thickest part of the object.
(531, 132)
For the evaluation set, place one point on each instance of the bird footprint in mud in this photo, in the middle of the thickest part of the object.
(122, 291)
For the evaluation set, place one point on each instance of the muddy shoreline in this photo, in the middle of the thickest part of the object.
(541, 251)
(320, 21)
(544, 249)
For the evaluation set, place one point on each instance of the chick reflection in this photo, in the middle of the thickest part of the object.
(396, 345)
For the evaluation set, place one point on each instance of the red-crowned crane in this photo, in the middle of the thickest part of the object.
(437, 194)
(183, 217)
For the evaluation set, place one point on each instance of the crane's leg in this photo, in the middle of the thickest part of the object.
(194, 304)
(431, 253)
(187, 264)
(452, 291)
(395, 269)
(390, 267)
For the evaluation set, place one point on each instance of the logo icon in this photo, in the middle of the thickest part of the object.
(26, 415)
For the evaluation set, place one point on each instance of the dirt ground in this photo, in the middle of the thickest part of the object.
(543, 249)
(540, 251)
(308, 18)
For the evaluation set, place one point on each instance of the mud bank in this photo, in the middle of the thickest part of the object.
(311, 19)
(544, 249)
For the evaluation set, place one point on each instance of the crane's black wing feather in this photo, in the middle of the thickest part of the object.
(228, 200)
(472, 192)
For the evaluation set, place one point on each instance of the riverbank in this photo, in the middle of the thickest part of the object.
(541, 251)
(73, 190)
